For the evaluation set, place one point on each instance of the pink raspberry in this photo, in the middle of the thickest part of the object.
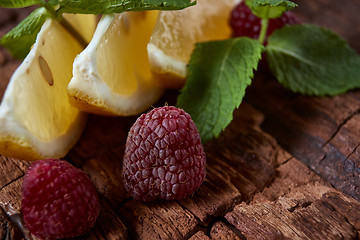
(244, 23)
(164, 158)
(59, 200)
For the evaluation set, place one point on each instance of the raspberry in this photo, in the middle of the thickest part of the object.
(59, 200)
(244, 23)
(164, 158)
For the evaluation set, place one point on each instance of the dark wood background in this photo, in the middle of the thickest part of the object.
(288, 167)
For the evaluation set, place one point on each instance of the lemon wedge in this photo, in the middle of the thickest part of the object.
(112, 75)
(36, 119)
(176, 33)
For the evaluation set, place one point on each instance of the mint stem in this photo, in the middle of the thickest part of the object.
(63, 22)
(73, 32)
(263, 30)
(50, 9)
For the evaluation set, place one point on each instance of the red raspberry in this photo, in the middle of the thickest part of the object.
(59, 200)
(164, 158)
(244, 23)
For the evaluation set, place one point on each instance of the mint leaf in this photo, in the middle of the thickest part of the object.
(53, 2)
(18, 3)
(269, 8)
(20, 39)
(312, 60)
(118, 6)
(218, 74)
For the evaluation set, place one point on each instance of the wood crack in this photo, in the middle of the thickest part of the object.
(12, 181)
(283, 163)
(298, 205)
(340, 126)
(347, 157)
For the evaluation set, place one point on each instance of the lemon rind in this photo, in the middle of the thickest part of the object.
(164, 64)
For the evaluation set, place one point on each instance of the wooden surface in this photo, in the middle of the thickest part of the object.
(288, 166)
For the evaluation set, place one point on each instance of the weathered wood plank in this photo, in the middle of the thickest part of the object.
(291, 175)
(215, 197)
(282, 219)
(346, 206)
(296, 206)
(158, 220)
(9, 171)
(11, 195)
(105, 173)
(108, 226)
(223, 231)
(199, 236)
(246, 155)
(314, 130)
(306, 126)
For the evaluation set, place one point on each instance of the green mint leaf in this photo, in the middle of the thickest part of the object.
(218, 74)
(312, 60)
(19, 3)
(269, 8)
(54, 2)
(118, 6)
(20, 39)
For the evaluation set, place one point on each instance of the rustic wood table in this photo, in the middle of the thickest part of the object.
(288, 167)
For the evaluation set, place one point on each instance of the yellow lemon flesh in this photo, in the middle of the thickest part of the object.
(112, 75)
(176, 33)
(36, 119)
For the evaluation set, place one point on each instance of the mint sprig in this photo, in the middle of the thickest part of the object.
(218, 75)
(19, 40)
(312, 60)
(304, 58)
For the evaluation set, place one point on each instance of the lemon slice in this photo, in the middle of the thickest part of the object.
(36, 119)
(112, 75)
(176, 33)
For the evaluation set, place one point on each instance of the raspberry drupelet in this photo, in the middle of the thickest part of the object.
(164, 157)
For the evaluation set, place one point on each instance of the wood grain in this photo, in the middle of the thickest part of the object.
(287, 167)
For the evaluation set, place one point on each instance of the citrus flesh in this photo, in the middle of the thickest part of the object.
(176, 33)
(36, 119)
(83, 24)
(112, 75)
